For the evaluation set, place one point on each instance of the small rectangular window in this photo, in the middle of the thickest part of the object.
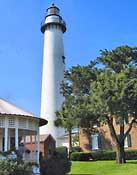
(11, 122)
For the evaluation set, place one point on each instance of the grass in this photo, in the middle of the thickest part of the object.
(104, 168)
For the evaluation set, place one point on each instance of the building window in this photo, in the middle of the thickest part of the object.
(22, 123)
(11, 122)
(127, 141)
(94, 142)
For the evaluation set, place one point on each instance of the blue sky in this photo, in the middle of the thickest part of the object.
(91, 25)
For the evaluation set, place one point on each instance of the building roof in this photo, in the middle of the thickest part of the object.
(7, 108)
(45, 136)
(42, 138)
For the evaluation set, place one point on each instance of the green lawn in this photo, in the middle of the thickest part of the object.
(104, 168)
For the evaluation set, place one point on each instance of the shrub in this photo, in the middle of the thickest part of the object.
(8, 167)
(111, 155)
(131, 154)
(55, 165)
(62, 150)
(80, 156)
(76, 149)
(103, 155)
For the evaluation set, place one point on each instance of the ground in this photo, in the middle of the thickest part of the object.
(104, 168)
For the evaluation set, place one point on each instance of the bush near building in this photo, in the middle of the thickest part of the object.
(102, 155)
(62, 150)
(55, 164)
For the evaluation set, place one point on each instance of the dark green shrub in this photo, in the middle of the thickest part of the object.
(55, 165)
(80, 156)
(131, 154)
(111, 155)
(62, 150)
(76, 149)
(103, 155)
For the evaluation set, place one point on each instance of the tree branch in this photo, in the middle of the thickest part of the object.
(112, 129)
(129, 128)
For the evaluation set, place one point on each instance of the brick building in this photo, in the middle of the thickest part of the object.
(101, 139)
(46, 144)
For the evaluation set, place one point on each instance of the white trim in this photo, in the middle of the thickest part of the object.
(38, 145)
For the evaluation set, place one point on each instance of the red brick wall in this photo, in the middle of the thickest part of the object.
(106, 141)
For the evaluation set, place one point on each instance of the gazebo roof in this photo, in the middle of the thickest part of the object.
(7, 108)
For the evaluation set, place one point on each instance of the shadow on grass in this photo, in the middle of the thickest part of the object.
(81, 174)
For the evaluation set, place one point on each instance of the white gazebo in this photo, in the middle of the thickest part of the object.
(17, 124)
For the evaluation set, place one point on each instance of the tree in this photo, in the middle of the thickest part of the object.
(114, 93)
(66, 117)
(104, 93)
(76, 89)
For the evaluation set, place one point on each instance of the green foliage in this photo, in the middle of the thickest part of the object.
(80, 156)
(131, 155)
(14, 168)
(101, 93)
(75, 111)
(102, 155)
(55, 165)
(113, 94)
(66, 115)
(119, 58)
(62, 150)
(76, 149)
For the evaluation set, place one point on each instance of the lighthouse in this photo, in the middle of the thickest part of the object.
(53, 28)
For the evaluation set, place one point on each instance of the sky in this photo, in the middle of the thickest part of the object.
(92, 25)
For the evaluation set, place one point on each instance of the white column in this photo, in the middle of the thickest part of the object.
(31, 146)
(6, 139)
(16, 135)
(1, 142)
(9, 133)
(24, 139)
(38, 145)
(35, 137)
(16, 138)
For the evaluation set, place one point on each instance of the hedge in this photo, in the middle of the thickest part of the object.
(102, 155)
(80, 156)
(131, 155)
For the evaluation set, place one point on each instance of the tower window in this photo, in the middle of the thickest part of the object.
(63, 59)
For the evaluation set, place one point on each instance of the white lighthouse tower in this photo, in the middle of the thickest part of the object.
(53, 28)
